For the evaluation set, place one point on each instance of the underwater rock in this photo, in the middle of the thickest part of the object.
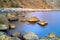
(42, 23)
(21, 15)
(2, 33)
(33, 19)
(30, 36)
(17, 34)
(52, 35)
(3, 27)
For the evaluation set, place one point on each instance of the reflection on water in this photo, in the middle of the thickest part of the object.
(53, 19)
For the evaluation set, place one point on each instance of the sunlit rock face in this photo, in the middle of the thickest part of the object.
(30, 36)
(33, 19)
(15, 38)
(43, 23)
(21, 15)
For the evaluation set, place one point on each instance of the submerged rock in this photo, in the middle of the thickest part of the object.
(43, 23)
(22, 15)
(23, 20)
(30, 36)
(3, 19)
(2, 33)
(12, 17)
(17, 34)
(5, 37)
(33, 19)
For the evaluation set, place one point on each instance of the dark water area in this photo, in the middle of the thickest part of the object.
(52, 17)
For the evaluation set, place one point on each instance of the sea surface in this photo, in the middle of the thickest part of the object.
(52, 17)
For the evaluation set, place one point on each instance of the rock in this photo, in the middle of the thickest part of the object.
(21, 15)
(7, 38)
(30, 36)
(4, 37)
(33, 19)
(12, 26)
(43, 23)
(15, 38)
(2, 33)
(23, 20)
(52, 35)
(3, 27)
(17, 34)
(12, 17)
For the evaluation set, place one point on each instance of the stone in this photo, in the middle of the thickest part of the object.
(21, 15)
(42, 23)
(16, 34)
(12, 26)
(12, 17)
(33, 19)
(52, 35)
(3, 27)
(23, 20)
(30, 36)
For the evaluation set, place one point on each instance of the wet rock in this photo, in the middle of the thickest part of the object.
(42, 23)
(52, 35)
(33, 19)
(12, 26)
(30, 36)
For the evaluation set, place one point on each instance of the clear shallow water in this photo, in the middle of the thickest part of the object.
(53, 19)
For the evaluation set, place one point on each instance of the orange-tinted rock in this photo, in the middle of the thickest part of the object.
(43, 23)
